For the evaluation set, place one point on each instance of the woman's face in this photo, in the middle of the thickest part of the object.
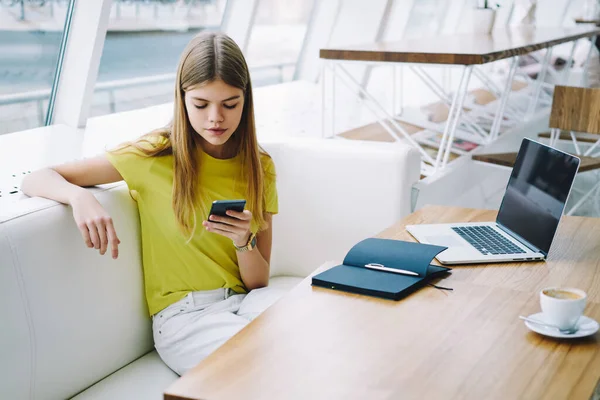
(215, 111)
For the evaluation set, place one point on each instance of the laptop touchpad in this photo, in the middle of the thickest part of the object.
(446, 240)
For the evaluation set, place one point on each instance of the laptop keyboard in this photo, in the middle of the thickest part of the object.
(486, 240)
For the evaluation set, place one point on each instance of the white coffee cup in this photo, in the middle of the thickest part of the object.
(562, 307)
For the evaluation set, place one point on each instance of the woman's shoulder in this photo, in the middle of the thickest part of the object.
(151, 144)
(267, 162)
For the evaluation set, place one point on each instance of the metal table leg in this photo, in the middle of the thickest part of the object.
(538, 84)
(453, 118)
(507, 89)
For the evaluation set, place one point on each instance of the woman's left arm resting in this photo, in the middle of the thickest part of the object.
(254, 265)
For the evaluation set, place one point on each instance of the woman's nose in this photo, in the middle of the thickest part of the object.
(215, 114)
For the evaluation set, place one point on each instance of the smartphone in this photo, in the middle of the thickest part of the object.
(220, 207)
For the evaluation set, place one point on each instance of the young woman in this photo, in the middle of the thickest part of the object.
(197, 268)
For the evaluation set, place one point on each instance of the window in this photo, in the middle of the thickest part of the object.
(276, 39)
(143, 43)
(426, 18)
(31, 33)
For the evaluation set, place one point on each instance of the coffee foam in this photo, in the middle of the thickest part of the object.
(562, 294)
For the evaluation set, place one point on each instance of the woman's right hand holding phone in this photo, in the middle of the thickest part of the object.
(94, 223)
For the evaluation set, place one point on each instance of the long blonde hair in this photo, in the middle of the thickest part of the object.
(208, 57)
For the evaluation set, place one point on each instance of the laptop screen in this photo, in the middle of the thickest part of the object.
(537, 191)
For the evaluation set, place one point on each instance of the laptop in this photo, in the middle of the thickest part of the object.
(528, 218)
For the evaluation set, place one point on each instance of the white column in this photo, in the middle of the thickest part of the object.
(238, 21)
(397, 20)
(551, 13)
(318, 31)
(82, 59)
(455, 13)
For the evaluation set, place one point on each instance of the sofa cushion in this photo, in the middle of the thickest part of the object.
(146, 378)
(259, 300)
(284, 283)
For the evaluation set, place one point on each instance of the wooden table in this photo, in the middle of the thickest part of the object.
(587, 21)
(463, 49)
(317, 343)
(468, 51)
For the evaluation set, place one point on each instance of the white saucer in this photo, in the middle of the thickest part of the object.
(585, 327)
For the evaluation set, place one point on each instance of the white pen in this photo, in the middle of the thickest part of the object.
(380, 267)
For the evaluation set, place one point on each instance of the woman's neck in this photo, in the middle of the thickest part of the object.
(222, 152)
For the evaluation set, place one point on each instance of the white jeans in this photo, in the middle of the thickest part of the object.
(189, 330)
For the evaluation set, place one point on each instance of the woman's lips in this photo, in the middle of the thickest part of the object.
(217, 131)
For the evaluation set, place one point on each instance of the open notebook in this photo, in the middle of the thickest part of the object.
(353, 276)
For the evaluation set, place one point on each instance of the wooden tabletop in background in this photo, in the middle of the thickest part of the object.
(587, 21)
(463, 49)
(317, 343)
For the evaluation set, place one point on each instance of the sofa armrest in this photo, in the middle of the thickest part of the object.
(334, 193)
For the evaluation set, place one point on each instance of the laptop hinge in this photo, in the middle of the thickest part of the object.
(520, 239)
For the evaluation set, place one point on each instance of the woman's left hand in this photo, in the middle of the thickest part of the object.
(236, 226)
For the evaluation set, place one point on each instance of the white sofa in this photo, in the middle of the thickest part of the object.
(75, 323)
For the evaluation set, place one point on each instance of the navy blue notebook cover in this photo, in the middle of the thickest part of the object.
(353, 277)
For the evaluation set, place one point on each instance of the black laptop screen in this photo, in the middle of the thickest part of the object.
(537, 192)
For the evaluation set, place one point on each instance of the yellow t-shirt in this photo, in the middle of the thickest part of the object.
(172, 267)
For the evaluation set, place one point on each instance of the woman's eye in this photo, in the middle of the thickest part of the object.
(230, 107)
(200, 107)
